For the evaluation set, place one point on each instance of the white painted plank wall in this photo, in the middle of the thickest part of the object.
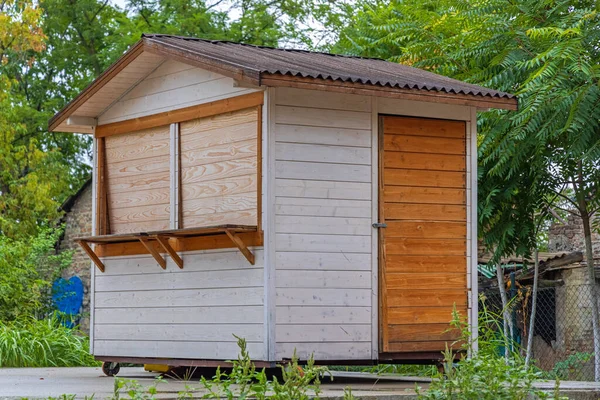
(171, 86)
(323, 224)
(144, 311)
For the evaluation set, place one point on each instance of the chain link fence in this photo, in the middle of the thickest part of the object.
(563, 343)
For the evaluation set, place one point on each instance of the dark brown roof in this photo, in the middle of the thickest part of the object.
(258, 60)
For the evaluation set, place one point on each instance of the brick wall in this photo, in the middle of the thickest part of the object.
(78, 222)
(569, 237)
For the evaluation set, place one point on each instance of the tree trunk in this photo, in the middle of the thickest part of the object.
(505, 313)
(536, 271)
(589, 258)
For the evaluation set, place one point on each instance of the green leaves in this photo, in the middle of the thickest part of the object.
(545, 51)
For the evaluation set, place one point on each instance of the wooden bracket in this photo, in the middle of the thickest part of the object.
(164, 242)
(146, 242)
(241, 245)
(92, 255)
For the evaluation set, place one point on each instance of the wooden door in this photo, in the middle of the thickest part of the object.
(423, 271)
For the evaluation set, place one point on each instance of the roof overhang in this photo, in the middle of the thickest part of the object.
(80, 115)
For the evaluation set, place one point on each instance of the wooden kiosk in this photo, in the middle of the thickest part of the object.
(300, 200)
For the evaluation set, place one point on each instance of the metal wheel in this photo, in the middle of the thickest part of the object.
(110, 368)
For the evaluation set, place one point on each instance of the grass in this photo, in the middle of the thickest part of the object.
(43, 343)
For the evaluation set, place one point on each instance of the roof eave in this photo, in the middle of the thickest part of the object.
(434, 96)
(96, 85)
(148, 45)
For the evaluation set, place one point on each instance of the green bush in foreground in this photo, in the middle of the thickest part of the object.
(42, 343)
(485, 375)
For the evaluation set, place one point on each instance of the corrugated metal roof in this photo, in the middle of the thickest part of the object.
(258, 60)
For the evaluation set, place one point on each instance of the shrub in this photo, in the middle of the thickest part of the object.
(28, 267)
(29, 342)
(485, 375)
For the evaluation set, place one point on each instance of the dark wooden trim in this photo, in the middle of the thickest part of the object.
(483, 102)
(96, 85)
(178, 362)
(180, 115)
(145, 241)
(179, 244)
(164, 242)
(101, 189)
(239, 243)
(88, 250)
(259, 169)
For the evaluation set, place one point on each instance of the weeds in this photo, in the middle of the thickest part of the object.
(485, 375)
(42, 343)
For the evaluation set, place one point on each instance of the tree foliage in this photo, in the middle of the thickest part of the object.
(544, 51)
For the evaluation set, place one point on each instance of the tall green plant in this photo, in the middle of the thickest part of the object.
(30, 342)
(28, 267)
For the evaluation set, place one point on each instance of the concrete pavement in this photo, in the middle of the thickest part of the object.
(41, 383)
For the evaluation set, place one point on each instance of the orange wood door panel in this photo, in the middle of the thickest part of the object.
(423, 272)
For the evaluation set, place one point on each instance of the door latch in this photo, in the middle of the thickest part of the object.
(379, 225)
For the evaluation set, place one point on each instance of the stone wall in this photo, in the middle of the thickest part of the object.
(78, 222)
(569, 237)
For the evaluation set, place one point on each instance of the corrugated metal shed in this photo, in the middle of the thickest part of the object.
(259, 60)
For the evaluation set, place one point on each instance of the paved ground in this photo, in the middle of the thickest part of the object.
(35, 383)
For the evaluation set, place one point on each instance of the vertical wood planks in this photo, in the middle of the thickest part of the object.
(423, 202)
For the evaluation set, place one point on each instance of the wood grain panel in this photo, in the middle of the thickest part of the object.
(146, 141)
(417, 178)
(424, 195)
(420, 144)
(137, 166)
(404, 263)
(418, 297)
(223, 152)
(422, 315)
(426, 229)
(425, 127)
(218, 170)
(140, 213)
(242, 217)
(424, 346)
(220, 204)
(220, 187)
(440, 162)
(447, 280)
(423, 202)
(426, 247)
(134, 151)
(144, 166)
(196, 138)
(130, 184)
(143, 226)
(422, 332)
(141, 198)
(427, 212)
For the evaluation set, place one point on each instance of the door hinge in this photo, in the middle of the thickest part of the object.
(379, 225)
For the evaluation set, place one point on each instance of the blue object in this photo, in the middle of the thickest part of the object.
(67, 296)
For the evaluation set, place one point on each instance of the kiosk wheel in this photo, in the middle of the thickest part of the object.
(110, 368)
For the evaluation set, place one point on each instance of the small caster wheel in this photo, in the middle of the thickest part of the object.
(110, 368)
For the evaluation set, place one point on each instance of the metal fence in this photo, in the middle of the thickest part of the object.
(563, 343)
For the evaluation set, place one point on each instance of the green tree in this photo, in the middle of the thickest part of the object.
(545, 51)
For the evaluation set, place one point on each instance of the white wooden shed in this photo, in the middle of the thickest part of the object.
(300, 200)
